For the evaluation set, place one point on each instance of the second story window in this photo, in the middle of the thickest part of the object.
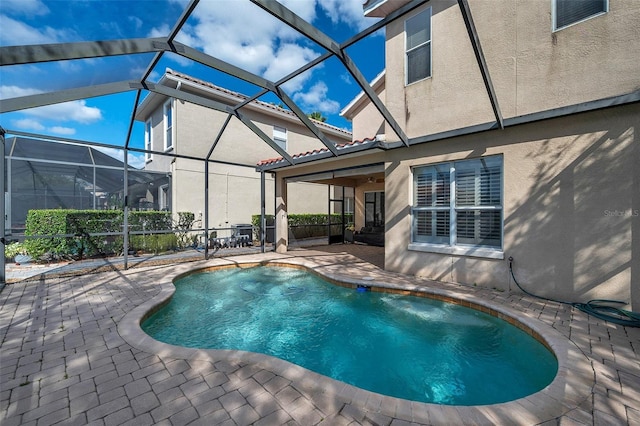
(148, 129)
(418, 46)
(280, 136)
(568, 12)
(168, 126)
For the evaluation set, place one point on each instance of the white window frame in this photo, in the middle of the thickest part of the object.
(148, 140)
(426, 43)
(453, 247)
(168, 129)
(554, 16)
(163, 197)
(278, 131)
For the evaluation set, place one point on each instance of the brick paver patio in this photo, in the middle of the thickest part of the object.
(72, 353)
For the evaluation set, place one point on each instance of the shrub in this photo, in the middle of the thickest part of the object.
(142, 224)
(78, 224)
(149, 221)
(13, 249)
(154, 243)
(185, 222)
(305, 225)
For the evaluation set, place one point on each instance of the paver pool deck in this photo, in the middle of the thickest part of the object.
(72, 352)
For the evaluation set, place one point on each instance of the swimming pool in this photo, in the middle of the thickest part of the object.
(408, 347)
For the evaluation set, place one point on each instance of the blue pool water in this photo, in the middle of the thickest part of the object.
(407, 347)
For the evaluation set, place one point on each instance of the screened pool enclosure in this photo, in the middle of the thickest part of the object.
(124, 66)
(54, 175)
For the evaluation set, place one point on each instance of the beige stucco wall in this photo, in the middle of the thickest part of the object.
(197, 128)
(234, 191)
(532, 67)
(454, 96)
(158, 162)
(367, 122)
(571, 207)
(571, 190)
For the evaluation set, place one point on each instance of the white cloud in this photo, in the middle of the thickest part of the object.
(28, 124)
(136, 160)
(133, 159)
(59, 130)
(67, 111)
(36, 126)
(137, 22)
(268, 49)
(77, 111)
(289, 57)
(316, 99)
(347, 12)
(8, 92)
(25, 7)
(15, 33)
(346, 78)
(162, 31)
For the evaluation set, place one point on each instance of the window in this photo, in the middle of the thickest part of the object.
(163, 197)
(147, 139)
(280, 136)
(418, 47)
(568, 12)
(374, 208)
(168, 126)
(458, 207)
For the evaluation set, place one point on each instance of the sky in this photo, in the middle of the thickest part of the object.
(235, 31)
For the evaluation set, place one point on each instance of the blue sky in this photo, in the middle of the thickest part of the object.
(235, 31)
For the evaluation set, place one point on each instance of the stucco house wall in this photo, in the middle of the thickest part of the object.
(570, 184)
(234, 190)
(532, 67)
(571, 207)
(366, 120)
(570, 181)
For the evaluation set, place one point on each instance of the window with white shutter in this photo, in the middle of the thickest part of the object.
(569, 12)
(458, 204)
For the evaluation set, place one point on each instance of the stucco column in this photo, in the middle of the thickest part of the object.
(281, 219)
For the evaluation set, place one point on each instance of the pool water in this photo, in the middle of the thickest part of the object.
(408, 347)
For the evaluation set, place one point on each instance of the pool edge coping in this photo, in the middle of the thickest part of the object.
(571, 386)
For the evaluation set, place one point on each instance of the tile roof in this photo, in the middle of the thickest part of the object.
(340, 146)
(243, 97)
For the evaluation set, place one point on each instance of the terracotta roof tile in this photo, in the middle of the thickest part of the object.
(244, 97)
(317, 151)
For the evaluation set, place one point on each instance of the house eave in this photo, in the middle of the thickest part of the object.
(232, 99)
(349, 111)
(382, 8)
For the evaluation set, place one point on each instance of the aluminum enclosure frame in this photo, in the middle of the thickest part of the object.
(31, 54)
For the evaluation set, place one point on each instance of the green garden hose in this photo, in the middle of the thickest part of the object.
(599, 308)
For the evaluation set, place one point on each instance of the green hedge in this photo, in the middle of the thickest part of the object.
(305, 225)
(81, 223)
(147, 221)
